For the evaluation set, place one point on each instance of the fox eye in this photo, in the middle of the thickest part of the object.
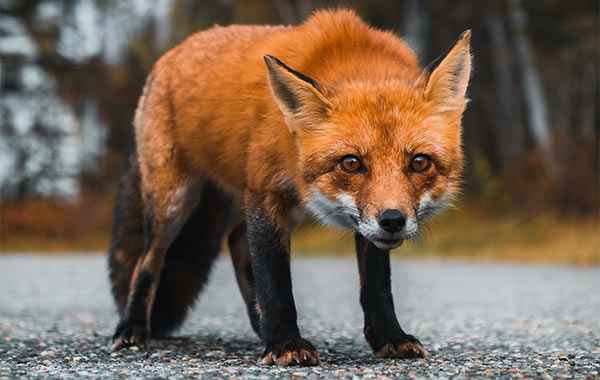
(420, 163)
(351, 164)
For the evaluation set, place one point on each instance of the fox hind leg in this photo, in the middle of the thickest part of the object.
(165, 213)
(189, 260)
(242, 264)
(127, 237)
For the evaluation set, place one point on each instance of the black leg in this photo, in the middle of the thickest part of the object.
(242, 264)
(270, 247)
(134, 327)
(382, 330)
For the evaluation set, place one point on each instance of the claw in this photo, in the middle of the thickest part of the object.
(291, 353)
(392, 349)
(115, 346)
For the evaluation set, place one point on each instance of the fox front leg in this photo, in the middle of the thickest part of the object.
(382, 330)
(270, 247)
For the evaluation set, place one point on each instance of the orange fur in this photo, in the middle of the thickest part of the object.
(208, 112)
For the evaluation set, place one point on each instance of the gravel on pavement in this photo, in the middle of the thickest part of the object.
(475, 319)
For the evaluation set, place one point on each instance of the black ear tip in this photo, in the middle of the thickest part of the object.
(270, 59)
(465, 34)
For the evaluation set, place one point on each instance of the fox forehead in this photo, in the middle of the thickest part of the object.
(385, 122)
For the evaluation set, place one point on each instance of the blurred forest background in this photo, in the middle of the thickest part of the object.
(72, 71)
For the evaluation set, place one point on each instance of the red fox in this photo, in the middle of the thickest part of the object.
(332, 117)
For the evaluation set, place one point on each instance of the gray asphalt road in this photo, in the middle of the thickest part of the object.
(56, 318)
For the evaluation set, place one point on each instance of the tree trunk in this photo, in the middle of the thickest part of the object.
(530, 81)
(507, 129)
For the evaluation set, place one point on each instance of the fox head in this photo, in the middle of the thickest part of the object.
(378, 157)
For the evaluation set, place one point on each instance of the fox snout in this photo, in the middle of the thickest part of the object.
(392, 220)
(389, 229)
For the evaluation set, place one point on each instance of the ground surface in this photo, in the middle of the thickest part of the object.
(56, 318)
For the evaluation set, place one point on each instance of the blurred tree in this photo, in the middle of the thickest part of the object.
(507, 130)
(98, 78)
(36, 125)
(537, 118)
(534, 108)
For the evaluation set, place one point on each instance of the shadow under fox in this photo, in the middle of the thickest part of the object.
(329, 117)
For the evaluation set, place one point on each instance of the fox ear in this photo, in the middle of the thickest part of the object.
(447, 77)
(299, 97)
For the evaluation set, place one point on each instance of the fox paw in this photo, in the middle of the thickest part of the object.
(128, 335)
(292, 352)
(407, 347)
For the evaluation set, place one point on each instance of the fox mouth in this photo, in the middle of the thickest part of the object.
(387, 244)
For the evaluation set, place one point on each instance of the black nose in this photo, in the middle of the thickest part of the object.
(392, 220)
